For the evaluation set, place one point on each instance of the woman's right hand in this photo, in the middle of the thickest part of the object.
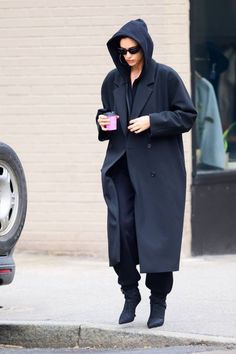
(103, 121)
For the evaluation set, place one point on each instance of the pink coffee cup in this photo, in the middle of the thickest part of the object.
(113, 120)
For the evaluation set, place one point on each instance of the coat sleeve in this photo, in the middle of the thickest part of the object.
(180, 116)
(105, 96)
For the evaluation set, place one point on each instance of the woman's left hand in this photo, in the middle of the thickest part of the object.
(140, 124)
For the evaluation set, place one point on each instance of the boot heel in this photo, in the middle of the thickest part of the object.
(157, 313)
(132, 299)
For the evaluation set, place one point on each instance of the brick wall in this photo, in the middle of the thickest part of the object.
(53, 59)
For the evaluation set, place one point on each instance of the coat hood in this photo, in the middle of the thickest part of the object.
(137, 30)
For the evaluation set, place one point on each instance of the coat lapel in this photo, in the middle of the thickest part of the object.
(120, 103)
(142, 95)
(144, 91)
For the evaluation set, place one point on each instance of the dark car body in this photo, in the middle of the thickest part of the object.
(7, 268)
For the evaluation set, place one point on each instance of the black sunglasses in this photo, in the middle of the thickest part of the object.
(132, 50)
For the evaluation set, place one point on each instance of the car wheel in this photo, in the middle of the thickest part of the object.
(13, 198)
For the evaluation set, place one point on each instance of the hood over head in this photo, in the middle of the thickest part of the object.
(137, 30)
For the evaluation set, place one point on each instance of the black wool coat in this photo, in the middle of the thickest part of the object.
(155, 161)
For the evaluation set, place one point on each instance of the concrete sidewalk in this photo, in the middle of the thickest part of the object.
(68, 301)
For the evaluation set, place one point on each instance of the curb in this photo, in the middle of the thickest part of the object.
(67, 335)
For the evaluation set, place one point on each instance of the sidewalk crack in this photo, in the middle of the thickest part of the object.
(79, 336)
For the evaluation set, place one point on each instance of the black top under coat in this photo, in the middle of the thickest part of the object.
(131, 92)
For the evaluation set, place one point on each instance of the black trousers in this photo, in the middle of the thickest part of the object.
(160, 284)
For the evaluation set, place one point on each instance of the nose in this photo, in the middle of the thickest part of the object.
(128, 55)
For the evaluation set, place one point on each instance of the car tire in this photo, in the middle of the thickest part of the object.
(13, 198)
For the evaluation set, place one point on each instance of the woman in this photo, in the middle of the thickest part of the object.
(143, 174)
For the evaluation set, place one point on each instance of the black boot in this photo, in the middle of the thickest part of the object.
(157, 314)
(132, 299)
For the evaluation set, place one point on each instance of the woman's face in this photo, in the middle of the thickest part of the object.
(131, 59)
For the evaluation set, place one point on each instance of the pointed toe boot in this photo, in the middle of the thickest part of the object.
(157, 312)
(132, 299)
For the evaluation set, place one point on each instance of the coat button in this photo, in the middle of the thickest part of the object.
(153, 174)
(149, 146)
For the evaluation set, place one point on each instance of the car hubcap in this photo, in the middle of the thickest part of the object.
(9, 198)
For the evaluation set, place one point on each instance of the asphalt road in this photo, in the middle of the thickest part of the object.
(169, 350)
